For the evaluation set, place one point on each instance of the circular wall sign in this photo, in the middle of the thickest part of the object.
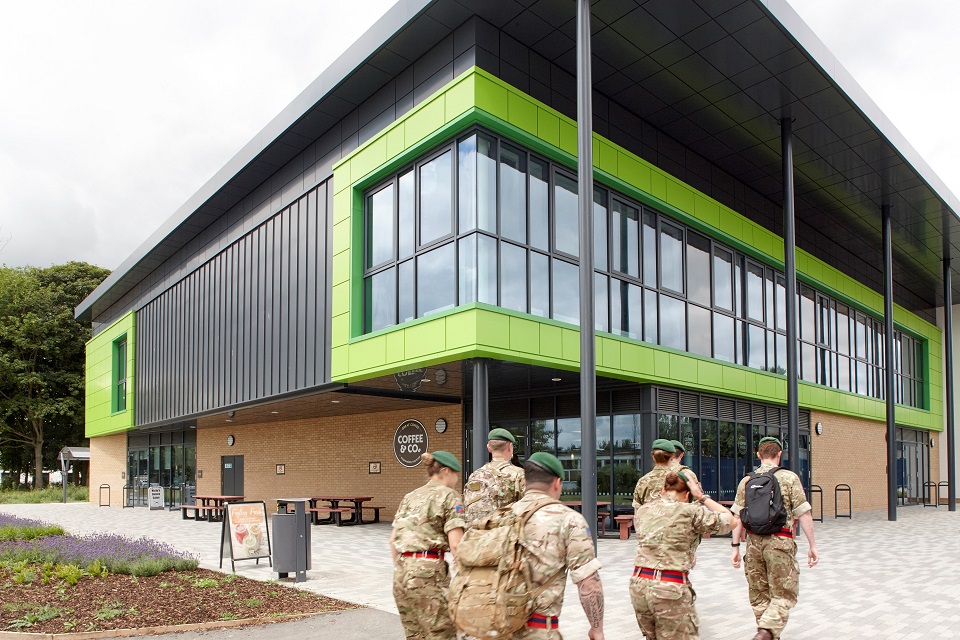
(440, 376)
(441, 425)
(409, 442)
(230, 441)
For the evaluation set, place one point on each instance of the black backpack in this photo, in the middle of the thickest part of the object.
(763, 512)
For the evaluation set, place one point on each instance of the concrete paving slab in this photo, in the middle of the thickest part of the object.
(876, 579)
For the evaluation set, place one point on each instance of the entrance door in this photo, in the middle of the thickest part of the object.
(231, 474)
(910, 485)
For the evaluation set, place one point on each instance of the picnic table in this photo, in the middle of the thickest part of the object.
(334, 512)
(208, 507)
(601, 515)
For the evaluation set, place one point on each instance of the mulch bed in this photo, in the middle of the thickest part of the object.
(171, 598)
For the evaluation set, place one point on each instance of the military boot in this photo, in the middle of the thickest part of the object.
(763, 634)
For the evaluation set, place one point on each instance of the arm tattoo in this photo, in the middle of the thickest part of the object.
(591, 597)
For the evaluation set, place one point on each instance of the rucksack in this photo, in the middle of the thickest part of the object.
(763, 512)
(492, 595)
(478, 494)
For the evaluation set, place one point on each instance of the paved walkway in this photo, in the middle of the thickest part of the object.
(876, 579)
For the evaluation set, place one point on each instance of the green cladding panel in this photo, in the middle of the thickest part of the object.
(477, 330)
(101, 415)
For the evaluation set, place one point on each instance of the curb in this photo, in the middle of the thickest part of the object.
(150, 631)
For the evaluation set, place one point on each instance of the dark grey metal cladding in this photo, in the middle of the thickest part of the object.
(248, 324)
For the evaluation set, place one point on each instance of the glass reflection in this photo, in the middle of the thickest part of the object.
(539, 284)
(486, 269)
(722, 269)
(673, 323)
(513, 194)
(699, 319)
(380, 226)
(626, 315)
(406, 226)
(436, 198)
(436, 289)
(468, 269)
(698, 269)
(723, 343)
(380, 298)
(539, 205)
(671, 258)
(513, 292)
(567, 230)
(626, 239)
(566, 292)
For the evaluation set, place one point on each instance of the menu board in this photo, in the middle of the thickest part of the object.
(245, 535)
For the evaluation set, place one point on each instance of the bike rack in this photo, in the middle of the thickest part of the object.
(837, 490)
(815, 489)
(930, 491)
(943, 485)
(102, 487)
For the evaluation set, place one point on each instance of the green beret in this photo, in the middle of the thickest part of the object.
(447, 459)
(547, 462)
(663, 445)
(679, 447)
(501, 434)
(772, 439)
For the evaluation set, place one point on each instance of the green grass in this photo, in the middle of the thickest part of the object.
(50, 494)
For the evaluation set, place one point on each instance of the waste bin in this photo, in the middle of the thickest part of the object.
(291, 541)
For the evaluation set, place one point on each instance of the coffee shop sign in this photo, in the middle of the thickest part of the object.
(409, 442)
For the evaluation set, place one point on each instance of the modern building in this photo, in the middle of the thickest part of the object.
(392, 262)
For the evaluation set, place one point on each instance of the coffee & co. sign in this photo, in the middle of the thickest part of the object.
(409, 442)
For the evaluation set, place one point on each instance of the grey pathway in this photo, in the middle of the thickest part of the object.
(876, 579)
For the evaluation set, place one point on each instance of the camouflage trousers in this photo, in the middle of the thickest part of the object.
(420, 590)
(773, 580)
(665, 610)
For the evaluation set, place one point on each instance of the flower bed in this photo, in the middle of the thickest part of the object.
(52, 582)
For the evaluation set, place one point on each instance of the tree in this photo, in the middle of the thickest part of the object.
(42, 357)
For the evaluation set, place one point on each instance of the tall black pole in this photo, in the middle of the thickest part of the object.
(888, 362)
(790, 271)
(948, 366)
(481, 414)
(588, 356)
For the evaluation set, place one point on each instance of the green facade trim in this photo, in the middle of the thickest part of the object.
(478, 98)
(100, 418)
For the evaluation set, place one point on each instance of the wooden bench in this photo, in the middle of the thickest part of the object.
(184, 508)
(334, 516)
(376, 515)
(625, 523)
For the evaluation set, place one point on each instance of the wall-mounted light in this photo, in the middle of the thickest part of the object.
(819, 428)
(230, 440)
(230, 414)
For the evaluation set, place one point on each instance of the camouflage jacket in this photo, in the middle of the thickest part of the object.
(495, 485)
(791, 489)
(649, 486)
(425, 516)
(668, 532)
(558, 539)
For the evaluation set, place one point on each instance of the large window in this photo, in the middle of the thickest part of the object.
(483, 220)
(119, 395)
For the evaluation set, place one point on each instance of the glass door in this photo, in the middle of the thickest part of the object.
(910, 485)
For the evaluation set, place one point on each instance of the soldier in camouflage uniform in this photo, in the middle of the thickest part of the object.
(429, 522)
(770, 563)
(668, 533)
(650, 486)
(496, 484)
(559, 541)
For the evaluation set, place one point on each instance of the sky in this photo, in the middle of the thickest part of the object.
(113, 113)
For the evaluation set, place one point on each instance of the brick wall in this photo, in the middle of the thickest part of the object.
(108, 459)
(854, 451)
(328, 455)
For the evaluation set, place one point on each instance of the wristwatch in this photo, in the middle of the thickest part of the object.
(703, 498)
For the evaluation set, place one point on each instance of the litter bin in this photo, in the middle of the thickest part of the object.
(291, 540)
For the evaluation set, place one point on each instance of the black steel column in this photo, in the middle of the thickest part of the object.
(588, 356)
(790, 271)
(888, 364)
(948, 367)
(481, 414)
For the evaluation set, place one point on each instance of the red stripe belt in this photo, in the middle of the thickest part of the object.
(661, 575)
(434, 554)
(538, 621)
(784, 533)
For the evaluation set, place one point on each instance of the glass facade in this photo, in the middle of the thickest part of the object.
(721, 436)
(166, 459)
(499, 226)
